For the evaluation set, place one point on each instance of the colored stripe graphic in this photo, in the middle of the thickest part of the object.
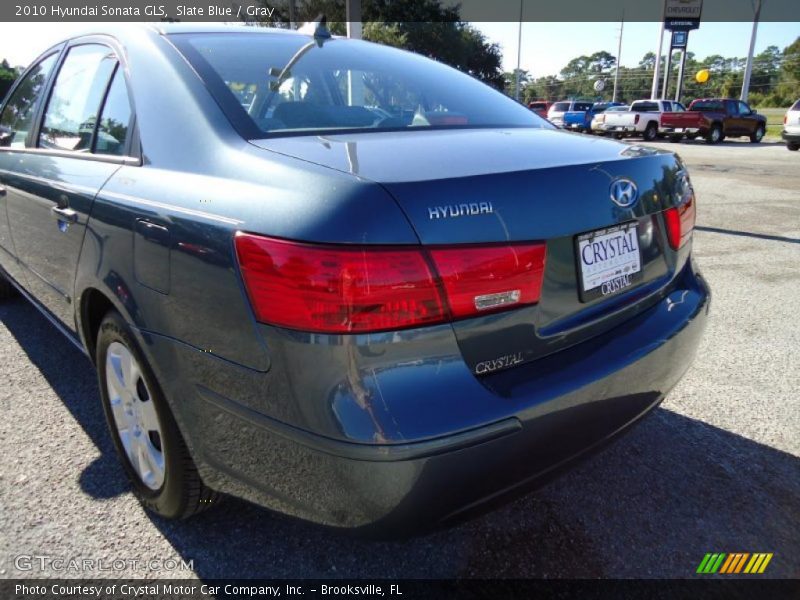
(758, 563)
(711, 563)
(715, 562)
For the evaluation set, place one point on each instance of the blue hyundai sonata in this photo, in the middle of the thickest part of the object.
(337, 279)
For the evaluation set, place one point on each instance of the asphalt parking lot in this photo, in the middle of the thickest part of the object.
(715, 469)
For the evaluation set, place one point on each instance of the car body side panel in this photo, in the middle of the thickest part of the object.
(47, 247)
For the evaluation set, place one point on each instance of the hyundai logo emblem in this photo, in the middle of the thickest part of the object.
(624, 193)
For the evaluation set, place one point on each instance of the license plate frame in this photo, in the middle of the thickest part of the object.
(622, 279)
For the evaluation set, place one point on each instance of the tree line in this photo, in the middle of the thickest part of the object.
(775, 79)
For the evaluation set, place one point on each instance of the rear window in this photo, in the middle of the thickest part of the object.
(796, 106)
(279, 84)
(645, 106)
(537, 105)
(708, 106)
(582, 106)
(560, 107)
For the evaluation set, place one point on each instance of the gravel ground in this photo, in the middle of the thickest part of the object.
(715, 469)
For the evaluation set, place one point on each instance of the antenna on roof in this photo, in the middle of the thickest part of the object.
(318, 28)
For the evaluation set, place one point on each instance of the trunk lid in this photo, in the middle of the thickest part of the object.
(519, 185)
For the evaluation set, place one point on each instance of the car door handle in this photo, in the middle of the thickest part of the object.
(66, 215)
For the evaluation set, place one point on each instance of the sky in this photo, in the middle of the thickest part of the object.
(546, 47)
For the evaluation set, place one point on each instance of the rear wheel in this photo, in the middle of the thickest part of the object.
(147, 439)
(650, 132)
(793, 147)
(758, 134)
(714, 135)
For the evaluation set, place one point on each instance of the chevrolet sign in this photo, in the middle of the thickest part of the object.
(682, 15)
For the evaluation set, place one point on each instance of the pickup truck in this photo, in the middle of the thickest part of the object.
(580, 118)
(715, 119)
(642, 119)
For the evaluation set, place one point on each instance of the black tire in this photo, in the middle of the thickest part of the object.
(618, 136)
(758, 134)
(691, 136)
(792, 147)
(7, 290)
(182, 493)
(650, 132)
(715, 135)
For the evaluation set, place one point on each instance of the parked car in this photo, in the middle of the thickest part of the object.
(599, 119)
(293, 299)
(643, 119)
(715, 119)
(582, 113)
(577, 118)
(791, 127)
(555, 113)
(540, 107)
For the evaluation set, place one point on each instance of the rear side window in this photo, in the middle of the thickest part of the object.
(80, 85)
(560, 107)
(796, 106)
(113, 130)
(708, 106)
(645, 106)
(17, 117)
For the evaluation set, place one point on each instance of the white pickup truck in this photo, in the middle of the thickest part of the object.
(643, 118)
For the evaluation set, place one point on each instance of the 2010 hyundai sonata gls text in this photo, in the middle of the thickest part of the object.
(340, 280)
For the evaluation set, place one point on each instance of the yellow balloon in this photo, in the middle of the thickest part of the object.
(702, 76)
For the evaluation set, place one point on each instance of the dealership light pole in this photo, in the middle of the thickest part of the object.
(749, 68)
(619, 55)
(355, 84)
(656, 75)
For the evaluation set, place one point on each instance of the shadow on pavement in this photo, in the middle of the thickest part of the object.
(763, 236)
(650, 505)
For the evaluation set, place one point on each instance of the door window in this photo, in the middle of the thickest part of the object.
(17, 117)
(81, 83)
(113, 130)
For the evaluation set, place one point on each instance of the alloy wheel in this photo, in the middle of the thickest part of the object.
(135, 415)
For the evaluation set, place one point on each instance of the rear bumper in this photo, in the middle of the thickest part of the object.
(621, 130)
(565, 405)
(791, 136)
(686, 130)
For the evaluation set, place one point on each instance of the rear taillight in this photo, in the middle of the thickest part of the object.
(602, 119)
(359, 289)
(679, 222)
(485, 278)
(785, 118)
